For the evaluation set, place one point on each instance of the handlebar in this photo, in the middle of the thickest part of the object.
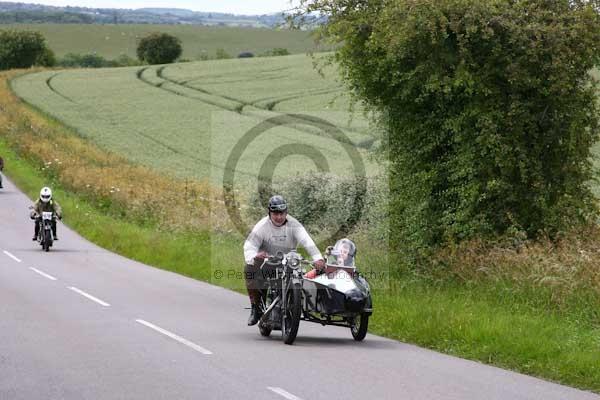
(278, 260)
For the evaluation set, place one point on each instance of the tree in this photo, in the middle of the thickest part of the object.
(221, 54)
(20, 49)
(488, 107)
(276, 51)
(159, 48)
(46, 58)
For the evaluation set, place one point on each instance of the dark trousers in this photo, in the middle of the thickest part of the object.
(253, 285)
(256, 279)
(38, 223)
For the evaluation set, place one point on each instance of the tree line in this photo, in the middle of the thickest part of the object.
(488, 109)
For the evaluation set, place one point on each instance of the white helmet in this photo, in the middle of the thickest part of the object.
(45, 194)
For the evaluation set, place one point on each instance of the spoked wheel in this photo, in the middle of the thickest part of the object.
(291, 318)
(264, 329)
(359, 326)
(47, 241)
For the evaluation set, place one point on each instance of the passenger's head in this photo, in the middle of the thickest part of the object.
(346, 250)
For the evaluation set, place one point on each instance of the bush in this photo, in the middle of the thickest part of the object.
(20, 49)
(46, 59)
(125, 61)
(92, 60)
(488, 107)
(326, 203)
(221, 54)
(72, 60)
(159, 48)
(277, 51)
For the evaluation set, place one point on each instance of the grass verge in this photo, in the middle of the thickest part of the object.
(493, 321)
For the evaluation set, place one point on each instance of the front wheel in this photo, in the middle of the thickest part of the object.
(291, 318)
(47, 240)
(359, 326)
(264, 330)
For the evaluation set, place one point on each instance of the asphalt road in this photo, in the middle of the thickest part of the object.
(80, 322)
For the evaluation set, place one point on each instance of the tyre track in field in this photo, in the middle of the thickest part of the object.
(272, 101)
(164, 144)
(366, 144)
(241, 104)
(54, 90)
(160, 74)
(161, 85)
(216, 76)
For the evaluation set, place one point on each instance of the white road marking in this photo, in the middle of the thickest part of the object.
(175, 337)
(283, 393)
(11, 256)
(45, 275)
(89, 296)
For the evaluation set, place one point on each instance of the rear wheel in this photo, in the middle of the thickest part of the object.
(47, 241)
(291, 318)
(359, 326)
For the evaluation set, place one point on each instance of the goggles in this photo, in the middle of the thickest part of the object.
(278, 207)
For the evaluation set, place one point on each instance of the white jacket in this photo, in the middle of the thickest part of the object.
(265, 236)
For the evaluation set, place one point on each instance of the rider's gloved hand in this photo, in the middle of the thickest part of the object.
(319, 264)
(259, 259)
(261, 255)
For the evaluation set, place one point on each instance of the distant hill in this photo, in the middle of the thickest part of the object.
(11, 13)
(199, 42)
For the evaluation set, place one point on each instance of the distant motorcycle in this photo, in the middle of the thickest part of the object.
(45, 237)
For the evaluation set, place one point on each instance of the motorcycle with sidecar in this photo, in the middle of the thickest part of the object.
(338, 296)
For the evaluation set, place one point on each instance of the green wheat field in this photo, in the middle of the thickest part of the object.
(189, 119)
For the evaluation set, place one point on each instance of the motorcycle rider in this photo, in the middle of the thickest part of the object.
(45, 204)
(1, 168)
(276, 232)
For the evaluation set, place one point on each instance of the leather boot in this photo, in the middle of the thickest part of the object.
(255, 314)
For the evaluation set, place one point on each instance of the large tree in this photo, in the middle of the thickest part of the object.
(21, 49)
(489, 109)
(159, 48)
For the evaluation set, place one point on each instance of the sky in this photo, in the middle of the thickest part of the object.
(227, 6)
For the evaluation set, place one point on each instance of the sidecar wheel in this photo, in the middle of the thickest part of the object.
(360, 326)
